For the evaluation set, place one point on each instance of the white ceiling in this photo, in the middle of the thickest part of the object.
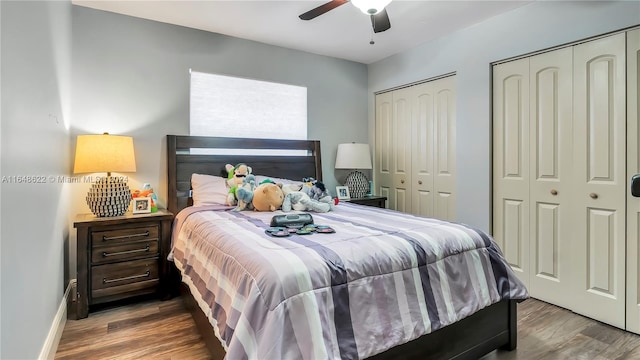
(344, 32)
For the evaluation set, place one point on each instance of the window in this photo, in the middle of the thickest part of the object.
(227, 106)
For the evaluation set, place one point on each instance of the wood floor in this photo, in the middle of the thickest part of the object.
(165, 330)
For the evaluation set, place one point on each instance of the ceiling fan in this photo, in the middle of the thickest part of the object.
(374, 8)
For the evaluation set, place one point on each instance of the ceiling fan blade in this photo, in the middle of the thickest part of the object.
(380, 21)
(322, 9)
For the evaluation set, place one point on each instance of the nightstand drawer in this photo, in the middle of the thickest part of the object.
(123, 277)
(116, 236)
(124, 251)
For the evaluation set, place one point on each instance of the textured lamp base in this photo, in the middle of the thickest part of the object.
(358, 184)
(109, 196)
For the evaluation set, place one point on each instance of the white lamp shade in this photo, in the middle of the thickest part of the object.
(370, 7)
(353, 156)
(104, 153)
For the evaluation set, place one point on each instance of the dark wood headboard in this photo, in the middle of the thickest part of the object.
(182, 162)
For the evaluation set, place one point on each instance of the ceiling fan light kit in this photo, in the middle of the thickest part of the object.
(370, 7)
(373, 8)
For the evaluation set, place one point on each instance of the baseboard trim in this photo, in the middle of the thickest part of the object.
(50, 346)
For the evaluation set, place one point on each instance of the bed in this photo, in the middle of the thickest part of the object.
(386, 285)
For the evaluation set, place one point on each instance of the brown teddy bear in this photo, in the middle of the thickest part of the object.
(268, 196)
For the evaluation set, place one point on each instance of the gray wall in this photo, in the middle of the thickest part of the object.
(131, 76)
(469, 52)
(35, 42)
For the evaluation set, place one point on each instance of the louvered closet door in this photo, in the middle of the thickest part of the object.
(633, 167)
(422, 133)
(401, 151)
(599, 186)
(511, 164)
(384, 146)
(550, 155)
(445, 148)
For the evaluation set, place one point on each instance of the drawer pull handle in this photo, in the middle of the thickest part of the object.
(593, 195)
(146, 274)
(419, 182)
(554, 192)
(106, 254)
(107, 238)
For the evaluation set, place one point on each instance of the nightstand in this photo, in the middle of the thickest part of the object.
(120, 257)
(379, 201)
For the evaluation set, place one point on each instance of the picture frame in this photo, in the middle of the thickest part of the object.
(141, 205)
(343, 192)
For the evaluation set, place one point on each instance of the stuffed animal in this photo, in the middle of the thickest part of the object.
(318, 192)
(235, 179)
(267, 196)
(244, 193)
(297, 199)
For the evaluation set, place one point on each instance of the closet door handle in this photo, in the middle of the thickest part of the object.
(402, 181)
(419, 182)
(593, 195)
(554, 192)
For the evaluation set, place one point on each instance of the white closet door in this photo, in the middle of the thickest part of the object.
(384, 146)
(599, 186)
(511, 164)
(551, 228)
(401, 164)
(422, 133)
(445, 148)
(633, 167)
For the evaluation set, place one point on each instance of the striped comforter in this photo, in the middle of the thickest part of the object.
(383, 279)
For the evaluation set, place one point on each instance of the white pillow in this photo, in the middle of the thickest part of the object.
(260, 178)
(208, 190)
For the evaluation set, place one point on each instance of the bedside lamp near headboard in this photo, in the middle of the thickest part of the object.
(108, 196)
(355, 156)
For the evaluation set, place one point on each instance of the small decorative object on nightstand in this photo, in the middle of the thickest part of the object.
(120, 257)
(378, 201)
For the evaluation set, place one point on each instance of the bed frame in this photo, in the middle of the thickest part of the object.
(491, 328)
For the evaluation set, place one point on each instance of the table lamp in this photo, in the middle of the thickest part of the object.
(108, 196)
(355, 156)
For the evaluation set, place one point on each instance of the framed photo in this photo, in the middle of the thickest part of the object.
(343, 192)
(141, 205)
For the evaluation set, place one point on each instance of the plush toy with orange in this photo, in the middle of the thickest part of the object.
(147, 191)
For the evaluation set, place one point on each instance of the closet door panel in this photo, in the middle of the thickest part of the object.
(513, 227)
(599, 158)
(384, 146)
(511, 163)
(445, 148)
(445, 206)
(633, 167)
(551, 98)
(422, 133)
(401, 162)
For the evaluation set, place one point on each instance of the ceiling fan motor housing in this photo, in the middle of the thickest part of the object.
(370, 7)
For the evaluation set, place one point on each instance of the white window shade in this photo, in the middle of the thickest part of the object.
(226, 106)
